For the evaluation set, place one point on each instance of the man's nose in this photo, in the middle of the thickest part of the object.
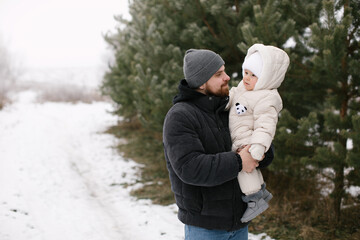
(227, 78)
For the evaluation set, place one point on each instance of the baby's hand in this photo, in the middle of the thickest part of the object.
(257, 151)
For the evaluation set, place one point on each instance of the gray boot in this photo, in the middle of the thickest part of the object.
(267, 196)
(256, 205)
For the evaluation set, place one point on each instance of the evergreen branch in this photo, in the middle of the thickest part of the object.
(354, 47)
(209, 27)
(353, 92)
(302, 66)
(205, 20)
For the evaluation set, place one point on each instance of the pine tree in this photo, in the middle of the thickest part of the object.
(335, 40)
(150, 48)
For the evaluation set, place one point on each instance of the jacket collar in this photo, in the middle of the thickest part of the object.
(205, 102)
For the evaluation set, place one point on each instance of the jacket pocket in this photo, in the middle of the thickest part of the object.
(218, 201)
(221, 192)
(220, 208)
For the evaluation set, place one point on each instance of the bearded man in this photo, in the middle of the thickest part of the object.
(197, 144)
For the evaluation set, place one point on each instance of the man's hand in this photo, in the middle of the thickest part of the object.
(248, 163)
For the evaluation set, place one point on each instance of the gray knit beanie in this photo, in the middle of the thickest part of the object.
(200, 65)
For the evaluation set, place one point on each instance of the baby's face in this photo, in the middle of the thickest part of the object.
(249, 80)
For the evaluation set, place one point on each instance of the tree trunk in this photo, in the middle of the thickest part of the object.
(338, 192)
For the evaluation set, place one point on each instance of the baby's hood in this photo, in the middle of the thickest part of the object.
(275, 64)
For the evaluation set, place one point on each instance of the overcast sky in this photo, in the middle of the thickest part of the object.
(58, 33)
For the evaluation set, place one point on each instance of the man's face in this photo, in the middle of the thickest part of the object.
(217, 85)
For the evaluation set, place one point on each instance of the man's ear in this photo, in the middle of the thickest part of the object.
(202, 87)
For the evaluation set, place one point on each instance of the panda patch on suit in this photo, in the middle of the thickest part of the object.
(240, 109)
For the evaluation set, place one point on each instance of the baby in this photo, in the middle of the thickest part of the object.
(253, 114)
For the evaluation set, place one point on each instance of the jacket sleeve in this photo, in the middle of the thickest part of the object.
(266, 116)
(269, 157)
(187, 157)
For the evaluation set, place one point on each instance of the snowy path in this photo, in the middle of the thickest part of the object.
(60, 178)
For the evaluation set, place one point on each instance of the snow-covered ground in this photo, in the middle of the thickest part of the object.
(61, 177)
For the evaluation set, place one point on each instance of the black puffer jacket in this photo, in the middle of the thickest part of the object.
(203, 170)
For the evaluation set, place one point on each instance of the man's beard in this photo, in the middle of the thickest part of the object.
(222, 92)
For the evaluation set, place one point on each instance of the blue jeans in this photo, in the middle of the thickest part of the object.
(197, 233)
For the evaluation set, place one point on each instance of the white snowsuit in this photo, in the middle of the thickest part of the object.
(253, 115)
